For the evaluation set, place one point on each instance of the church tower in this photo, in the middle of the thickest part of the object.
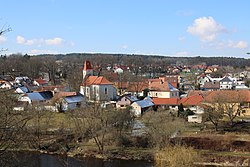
(87, 70)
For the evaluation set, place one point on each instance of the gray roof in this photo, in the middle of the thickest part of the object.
(226, 79)
(74, 99)
(144, 103)
(172, 88)
(40, 96)
(24, 89)
(132, 98)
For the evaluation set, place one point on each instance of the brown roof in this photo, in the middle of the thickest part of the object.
(170, 78)
(166, 101)
(137, 86)
(96, 80)
(51, 88)
(228, 96)
(198, 92)
(64, 94)
(211, 85)
(58, 95)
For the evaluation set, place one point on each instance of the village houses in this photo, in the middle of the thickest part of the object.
(96, 88)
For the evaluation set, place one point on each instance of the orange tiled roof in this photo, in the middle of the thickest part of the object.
(228, 96)
(174, 84)
(166, 101)
(96, 80)
(161, 86)
(192, 100)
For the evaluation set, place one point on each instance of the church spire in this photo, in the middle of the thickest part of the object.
(87, 69)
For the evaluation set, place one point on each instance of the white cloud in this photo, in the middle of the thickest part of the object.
(23, 41)
(39, 42)
(20, 40)
(2, 39)
(206, 28)
(54, 41)
(233, 44)
(241, 45)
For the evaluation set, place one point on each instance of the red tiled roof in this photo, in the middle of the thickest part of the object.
(192, 100)
(41, 81)
(96, 80)
(229, 96)
(166, 101)
(87, 65)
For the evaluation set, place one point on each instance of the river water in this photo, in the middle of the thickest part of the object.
(24, 159)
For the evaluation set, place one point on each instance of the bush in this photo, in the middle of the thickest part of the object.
(136, 141)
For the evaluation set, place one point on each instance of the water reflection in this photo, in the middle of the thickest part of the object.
(24, 159)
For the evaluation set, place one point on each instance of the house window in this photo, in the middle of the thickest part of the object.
(78, 104)
(106, 91)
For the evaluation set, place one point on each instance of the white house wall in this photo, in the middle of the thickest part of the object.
(106, 92)
(136, 109)
(159, 94)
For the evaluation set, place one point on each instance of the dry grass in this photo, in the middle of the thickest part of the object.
(177, 155)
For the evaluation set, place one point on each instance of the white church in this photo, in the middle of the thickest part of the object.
(96, 88)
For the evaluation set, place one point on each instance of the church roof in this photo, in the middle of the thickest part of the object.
(87, 65)
(96, 80)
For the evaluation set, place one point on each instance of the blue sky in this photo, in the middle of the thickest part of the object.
(159, 27)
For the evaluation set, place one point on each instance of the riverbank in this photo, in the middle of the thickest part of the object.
(214, 149)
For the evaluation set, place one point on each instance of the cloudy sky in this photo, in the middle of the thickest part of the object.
(159, 27)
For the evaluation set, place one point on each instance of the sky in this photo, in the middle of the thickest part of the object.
(154, 27)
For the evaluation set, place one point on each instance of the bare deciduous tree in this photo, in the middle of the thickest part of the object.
(96, 123)
(161, 126)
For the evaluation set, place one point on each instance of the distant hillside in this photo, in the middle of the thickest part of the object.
(151, 59)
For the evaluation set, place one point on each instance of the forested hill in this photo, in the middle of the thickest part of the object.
(151, 59)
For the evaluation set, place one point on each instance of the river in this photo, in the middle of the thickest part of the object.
(26, 159)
